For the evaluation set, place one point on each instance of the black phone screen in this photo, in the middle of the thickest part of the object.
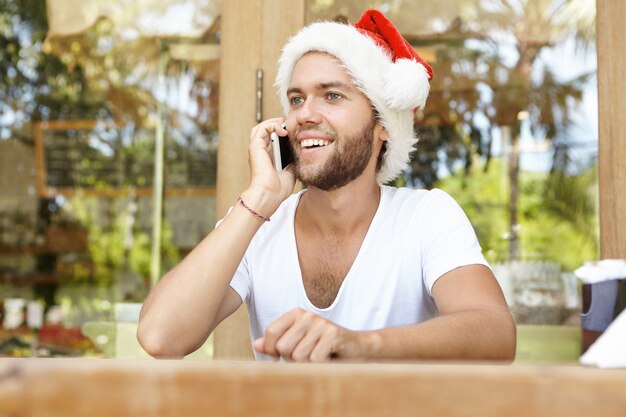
(286, 155)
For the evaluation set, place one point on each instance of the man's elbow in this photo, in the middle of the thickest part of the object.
(506, 334)
(158, 345)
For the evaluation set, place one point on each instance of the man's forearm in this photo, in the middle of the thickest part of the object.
(481, 334)
(188, 302)
(180, 312)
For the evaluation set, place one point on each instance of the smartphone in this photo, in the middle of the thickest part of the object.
(281, 149)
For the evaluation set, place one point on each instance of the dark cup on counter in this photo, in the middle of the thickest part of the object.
(602, 303)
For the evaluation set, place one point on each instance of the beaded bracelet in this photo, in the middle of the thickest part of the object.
(260, 216)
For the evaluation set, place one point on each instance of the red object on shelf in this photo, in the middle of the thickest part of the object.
(60, 336)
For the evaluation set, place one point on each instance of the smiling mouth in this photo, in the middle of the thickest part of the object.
(314, 143)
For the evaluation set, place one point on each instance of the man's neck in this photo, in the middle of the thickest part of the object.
(341, 211)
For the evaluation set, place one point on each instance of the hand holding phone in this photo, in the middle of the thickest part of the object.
(281, 149)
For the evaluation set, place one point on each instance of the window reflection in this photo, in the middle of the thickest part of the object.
(83, 98)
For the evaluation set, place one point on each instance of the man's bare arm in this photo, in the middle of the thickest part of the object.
(195, 296)
(182, 310)
(475, 323)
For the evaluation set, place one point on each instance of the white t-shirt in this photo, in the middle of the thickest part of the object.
(415, 237)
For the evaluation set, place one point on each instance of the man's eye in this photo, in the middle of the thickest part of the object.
(333, 96)
(294, 101)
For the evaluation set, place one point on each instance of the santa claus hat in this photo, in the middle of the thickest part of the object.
(383, 65)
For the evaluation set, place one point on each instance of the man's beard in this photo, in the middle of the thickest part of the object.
(347, 162)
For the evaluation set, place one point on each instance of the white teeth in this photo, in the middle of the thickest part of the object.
(307, 143)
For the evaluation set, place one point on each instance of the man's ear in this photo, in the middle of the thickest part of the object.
(382, 133)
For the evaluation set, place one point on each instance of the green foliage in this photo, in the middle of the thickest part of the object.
(574, 199)
(117, 245)
(560, 220)
(482, 83)
(139, 253)
(483, 196)
(558, 216)
(35, 85)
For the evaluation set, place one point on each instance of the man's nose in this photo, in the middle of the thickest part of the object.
(308, 112)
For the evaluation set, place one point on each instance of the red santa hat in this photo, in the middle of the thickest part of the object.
(382, 64)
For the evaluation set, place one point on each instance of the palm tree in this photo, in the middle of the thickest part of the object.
(478, 78)
(536, 25)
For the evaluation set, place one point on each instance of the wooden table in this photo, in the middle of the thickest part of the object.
(101, 387)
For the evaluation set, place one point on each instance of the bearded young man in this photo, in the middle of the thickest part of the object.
(347, 268)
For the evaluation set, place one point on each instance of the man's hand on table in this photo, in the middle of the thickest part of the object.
(302, 336)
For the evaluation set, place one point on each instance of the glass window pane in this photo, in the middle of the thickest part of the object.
(85, 95)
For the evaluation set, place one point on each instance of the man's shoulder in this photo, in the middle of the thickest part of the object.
(405, 203)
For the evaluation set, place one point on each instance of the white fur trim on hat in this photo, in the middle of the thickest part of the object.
(394, 89)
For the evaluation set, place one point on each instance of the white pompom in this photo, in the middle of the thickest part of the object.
(405, 85)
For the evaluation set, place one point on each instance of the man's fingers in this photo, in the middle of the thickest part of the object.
(275, 331)
(325, 347)
(303, 325)
(263, 130)
(302, 352)
(301, 336)
(285, 333)
(259, 345)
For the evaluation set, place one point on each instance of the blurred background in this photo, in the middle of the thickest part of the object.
(109, 142)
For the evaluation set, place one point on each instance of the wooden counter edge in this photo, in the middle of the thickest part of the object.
(65, 387)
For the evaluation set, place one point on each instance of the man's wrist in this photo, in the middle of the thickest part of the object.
(251, 210)
(370, 344)
(261, 202)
